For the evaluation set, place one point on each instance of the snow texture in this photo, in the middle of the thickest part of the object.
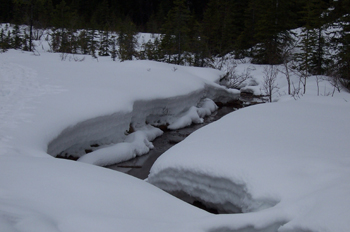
(136, 144)
(53, 105)
(282, 166)
(290, 158)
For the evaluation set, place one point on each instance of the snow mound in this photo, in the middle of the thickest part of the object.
(136, 144)
(53, 195)
(194, 114)
(220, 193)
(290, 158)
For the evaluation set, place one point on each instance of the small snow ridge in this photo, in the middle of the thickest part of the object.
(214, 192)
(194, 114)
(136, 144)
(271, 228)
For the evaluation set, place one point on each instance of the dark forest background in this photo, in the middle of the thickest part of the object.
(192, 30)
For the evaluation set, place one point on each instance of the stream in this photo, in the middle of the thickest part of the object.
(139, 167)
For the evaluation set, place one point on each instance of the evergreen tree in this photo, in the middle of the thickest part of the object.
(199, 51)
(246, 39)
(104, 43)
(175, 38)
(151, 50)
(273, 21)
(344, 48)
(113, 43)
(91, 42)
(16, 40)
(127, 41)
(312, 44)
(223, 22)
(83, 42)
(218, 26)
(63, 37)
(5, 41)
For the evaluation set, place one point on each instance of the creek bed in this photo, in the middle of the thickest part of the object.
(140, 166)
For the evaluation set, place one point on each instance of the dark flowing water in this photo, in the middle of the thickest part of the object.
(140, 166)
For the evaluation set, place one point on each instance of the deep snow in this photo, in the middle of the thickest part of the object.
(53, 105)
(285, 165)
(289, 158)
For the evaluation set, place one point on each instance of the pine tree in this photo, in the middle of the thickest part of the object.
(113, 43)
(344, 48)
(5, 42)
(127, 41)
(82, 42)
(16, 40)
(218, 26)
(175, 38)
(223, 23)
(104, 43)
(91, 42)
(151, 50)
(62, 33)
(198, 46)
(272, 22)
(312, 45)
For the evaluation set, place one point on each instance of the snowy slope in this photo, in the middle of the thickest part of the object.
(92, 102)
(44, 99)
(288, 160)
(45, 194)
(284, 166)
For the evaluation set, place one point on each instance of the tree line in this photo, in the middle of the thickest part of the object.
(193, 31)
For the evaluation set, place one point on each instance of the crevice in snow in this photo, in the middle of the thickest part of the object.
(112, 130)
(214, 192)
(271, 228)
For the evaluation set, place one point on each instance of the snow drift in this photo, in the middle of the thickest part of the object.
(290, 158)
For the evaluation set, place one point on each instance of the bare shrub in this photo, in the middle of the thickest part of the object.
(234, 80)
(270, 77)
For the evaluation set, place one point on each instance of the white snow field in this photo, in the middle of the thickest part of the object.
(48, 106)
(285, 163)
(280, 166)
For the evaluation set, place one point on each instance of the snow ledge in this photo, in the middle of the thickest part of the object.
(214, 192)
(176, 112)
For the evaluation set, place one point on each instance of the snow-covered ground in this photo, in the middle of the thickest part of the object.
(283, 165)
(50, 106)
(286, 163)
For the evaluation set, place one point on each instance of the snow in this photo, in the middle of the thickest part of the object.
(194, 114)
(288, 159)
(45, 194)
(50, 106)
(281, 166)
(136, 144)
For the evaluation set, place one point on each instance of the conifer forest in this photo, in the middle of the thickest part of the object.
(190, 32)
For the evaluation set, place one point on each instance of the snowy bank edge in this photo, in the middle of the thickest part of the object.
(176, 112)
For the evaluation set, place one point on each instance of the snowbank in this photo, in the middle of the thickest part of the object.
(53, 195)
(136, 144)
(49, 105)
(72, 105)
(288, 159)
